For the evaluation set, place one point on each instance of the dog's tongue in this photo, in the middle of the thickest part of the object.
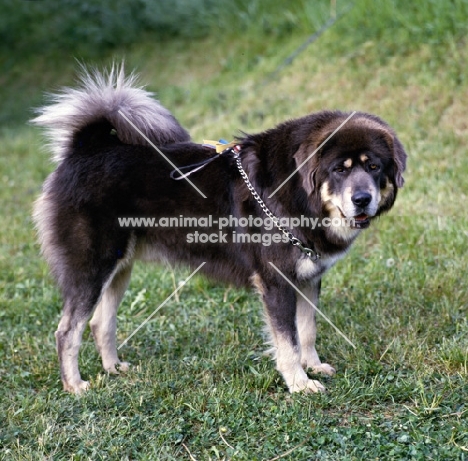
(361, 217)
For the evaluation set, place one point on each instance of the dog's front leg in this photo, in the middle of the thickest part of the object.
(307, 329)
(280, 306)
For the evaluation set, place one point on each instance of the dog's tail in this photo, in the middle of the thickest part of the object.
(131, 110)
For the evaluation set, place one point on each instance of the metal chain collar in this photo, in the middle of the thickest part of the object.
(313, 255)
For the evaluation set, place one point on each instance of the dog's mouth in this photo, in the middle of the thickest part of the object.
(361, 221)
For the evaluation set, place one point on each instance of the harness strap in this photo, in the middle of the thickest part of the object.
(193, 168)
(222, 147)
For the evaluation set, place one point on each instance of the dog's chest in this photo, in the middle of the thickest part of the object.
(307, 269)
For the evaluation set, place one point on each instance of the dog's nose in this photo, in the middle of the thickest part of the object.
(361, 199)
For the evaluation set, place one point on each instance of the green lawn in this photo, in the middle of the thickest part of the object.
(200, 387)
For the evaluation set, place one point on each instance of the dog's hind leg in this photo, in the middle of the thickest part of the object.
(307, 329)
(79, 303)
(104, 321)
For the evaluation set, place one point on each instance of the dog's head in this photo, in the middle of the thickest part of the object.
(355, 169)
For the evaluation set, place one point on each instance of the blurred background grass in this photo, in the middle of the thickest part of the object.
(39, 40)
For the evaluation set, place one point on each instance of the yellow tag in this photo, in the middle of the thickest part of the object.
(219, 146)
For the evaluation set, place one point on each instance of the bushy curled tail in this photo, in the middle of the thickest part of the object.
(112, 96)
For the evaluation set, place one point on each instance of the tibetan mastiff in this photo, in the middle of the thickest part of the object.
(120, 155)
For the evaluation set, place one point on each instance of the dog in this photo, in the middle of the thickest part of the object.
(119, 154)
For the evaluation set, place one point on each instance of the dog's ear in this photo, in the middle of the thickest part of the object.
(307, 165)
(307, 158)
(398, 155)
(399, 160)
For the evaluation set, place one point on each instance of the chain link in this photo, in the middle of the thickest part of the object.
(313, 255)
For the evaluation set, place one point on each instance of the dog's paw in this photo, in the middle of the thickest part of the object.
(324, 368)
(311, 386)
(117, 368)
(76, 388)
(123, 367)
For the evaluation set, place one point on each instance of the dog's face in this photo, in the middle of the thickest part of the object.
(351, 187)
(355, 174)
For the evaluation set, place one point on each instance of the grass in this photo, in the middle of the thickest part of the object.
(200, 387)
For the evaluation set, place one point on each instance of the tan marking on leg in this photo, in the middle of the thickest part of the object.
(307, 329)
(257, 283)
(288, 363)
(104, 322)
(68, 340)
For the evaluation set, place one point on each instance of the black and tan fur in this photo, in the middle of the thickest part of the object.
(106, 170)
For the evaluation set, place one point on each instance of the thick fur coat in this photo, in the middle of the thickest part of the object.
(108, 171)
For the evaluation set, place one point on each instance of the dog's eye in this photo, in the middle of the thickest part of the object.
(339, 169)
(374, 167)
